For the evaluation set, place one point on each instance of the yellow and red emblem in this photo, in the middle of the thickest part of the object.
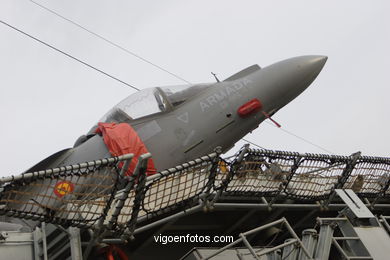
(62, 188)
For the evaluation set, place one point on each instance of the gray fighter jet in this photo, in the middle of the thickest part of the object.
(180, 123)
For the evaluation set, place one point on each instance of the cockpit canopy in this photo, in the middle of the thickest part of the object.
(152, 101)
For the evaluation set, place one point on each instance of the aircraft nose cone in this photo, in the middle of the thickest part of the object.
(300, 72)
(306, 69)
(291, 77)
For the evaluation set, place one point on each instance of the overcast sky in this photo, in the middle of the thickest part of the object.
(48, 100)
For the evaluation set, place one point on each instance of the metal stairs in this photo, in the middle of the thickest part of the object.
(356, 234)
(54, 242)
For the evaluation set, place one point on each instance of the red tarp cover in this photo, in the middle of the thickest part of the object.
(123, 139)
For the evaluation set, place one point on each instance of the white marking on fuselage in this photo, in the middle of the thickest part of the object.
(223, 94)
(183, 117)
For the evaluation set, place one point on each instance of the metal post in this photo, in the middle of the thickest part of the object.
(292, 232)
(37, 235)
(290, 252)
(139, 195)
(44, 242)
(75, 243)
(124, 194)
(40, 252)
(99, 226)
(309, 240)
(324, 241)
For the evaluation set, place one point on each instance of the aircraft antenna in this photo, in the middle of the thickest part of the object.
(110, 42)
(215, 76)
(68, 55)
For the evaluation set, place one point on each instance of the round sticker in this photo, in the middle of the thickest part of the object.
(62, 188)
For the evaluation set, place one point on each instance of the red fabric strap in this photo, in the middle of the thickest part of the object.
(123, 139)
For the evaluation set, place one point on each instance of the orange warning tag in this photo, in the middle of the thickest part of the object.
(62, 188)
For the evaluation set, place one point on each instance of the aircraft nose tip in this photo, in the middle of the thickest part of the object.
(310, 62)
(317, 61)
(310, 67)
(319, 58)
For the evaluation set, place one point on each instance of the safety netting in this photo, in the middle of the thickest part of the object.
(307, 176)
(76, 195)
(179, 187)
(99, 193)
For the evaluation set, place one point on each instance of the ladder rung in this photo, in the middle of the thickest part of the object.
(360, 258)
(346, 238)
